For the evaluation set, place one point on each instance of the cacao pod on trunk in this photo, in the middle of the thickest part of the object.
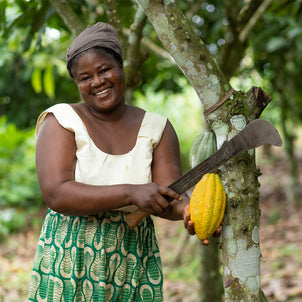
(207, 205)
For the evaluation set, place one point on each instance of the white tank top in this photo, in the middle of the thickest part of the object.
(95, 167)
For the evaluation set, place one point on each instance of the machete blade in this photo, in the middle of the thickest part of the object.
(257, 133)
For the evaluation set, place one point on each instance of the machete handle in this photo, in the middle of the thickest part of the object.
(135, 217)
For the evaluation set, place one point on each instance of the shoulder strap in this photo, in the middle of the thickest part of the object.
(65, 115)
(153, 126)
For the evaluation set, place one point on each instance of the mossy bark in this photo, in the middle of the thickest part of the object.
(240, 244)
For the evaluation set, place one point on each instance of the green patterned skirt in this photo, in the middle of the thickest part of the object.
(96, 259)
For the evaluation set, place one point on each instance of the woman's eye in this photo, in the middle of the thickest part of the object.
(84, 79)
(104, 70)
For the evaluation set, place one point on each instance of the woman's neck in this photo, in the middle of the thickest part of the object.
(113, 115)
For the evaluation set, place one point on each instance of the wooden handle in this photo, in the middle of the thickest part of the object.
(135, 217)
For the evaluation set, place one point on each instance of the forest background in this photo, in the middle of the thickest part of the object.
(255, 43)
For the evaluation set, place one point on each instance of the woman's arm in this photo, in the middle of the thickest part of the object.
(166, 168)
(56, 161)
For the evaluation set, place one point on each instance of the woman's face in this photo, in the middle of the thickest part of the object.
(100, 79)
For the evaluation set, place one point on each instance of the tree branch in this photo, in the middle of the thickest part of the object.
(256, 99)
(253, 20)
(149, 45)
(114, 20)
(70, 18)
(240, 24)
(134, 58)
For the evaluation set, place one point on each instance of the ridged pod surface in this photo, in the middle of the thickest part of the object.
(202, 147)
(207, 205)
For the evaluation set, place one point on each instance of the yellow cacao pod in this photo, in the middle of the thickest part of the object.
(207, 205)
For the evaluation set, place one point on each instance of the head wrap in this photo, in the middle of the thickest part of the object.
(100, 34)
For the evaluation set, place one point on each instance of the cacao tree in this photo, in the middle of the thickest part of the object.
(240, 244)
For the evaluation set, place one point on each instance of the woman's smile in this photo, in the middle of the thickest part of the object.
(103, 92)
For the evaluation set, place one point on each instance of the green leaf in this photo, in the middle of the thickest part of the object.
(49, 82)
(36, 80)
(276, 43)
(262, 296)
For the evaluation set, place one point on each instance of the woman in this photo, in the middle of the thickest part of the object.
(97, 161)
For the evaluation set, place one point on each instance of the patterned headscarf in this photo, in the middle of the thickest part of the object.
(100, 34)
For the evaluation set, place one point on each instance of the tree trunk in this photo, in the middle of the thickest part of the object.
(211, 283)
(240, 245)
(292, 161)
(188, 51)
(285, 87)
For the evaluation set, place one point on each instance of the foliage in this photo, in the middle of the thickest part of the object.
(19, 189)
(33, 74)
(32, 68)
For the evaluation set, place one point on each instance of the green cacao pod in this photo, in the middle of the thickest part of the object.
(207, 205)
(202, 147)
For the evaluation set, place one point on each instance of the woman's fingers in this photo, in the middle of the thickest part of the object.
(167, 191)
(190, 227)
(205, 242)
(160, 203)
(217, 233)
(151, 197)
(188, 223)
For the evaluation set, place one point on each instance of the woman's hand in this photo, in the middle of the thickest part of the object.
(189, 225)
(150, 197)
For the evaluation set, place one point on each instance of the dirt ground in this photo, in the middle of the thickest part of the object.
(281, 248)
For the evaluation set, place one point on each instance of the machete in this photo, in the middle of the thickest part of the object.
(255, 134)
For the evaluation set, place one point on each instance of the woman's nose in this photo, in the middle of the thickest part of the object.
(97, 80)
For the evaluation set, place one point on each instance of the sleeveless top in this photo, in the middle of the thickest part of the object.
(95, 167)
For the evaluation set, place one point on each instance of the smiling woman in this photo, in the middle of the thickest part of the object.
(97, 161)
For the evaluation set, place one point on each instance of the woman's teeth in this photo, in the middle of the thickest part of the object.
(102, 92)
